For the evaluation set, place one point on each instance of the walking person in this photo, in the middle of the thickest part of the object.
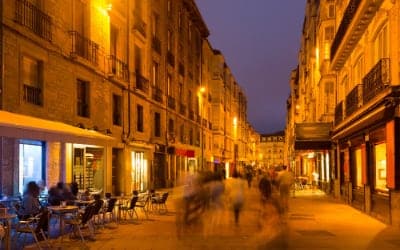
(236, 187)
(285, 181)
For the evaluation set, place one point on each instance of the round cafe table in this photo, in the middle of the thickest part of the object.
(60, 211)
(7, 238)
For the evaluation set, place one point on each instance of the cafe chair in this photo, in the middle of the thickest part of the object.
(160, 202)
(34, 226)
(82, 220)
(129, 209)
(144, 204)
(109, 214)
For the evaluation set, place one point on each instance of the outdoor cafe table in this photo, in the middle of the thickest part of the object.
(60, 211)
(7, 238)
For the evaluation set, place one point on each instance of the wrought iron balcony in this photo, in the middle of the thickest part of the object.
(346, 20)
(354, 99)
(118, 68)
(140, 25)
(171, 102)
(33, 18)
(377, 79)
(182, 109)
(156, 44)
(142, 83)
(33, 94)
(339, 113)
(205, 122)
(157, 94)
(170, 58)
(84, 47)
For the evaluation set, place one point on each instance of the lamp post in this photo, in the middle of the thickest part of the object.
(201, 91)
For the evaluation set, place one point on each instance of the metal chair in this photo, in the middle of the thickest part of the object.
(82, 220)
(160, 202)
(130, 208)
(36, 226)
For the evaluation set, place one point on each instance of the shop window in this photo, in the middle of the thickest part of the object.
(380, 166)
(138, 171)
(31, 163)
(357, 168)
(87, 168)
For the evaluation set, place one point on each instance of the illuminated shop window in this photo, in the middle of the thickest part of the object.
(380, 166)
(358, 167)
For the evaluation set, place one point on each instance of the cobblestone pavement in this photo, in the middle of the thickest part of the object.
(314, 221)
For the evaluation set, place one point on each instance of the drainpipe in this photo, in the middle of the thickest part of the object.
(129, 78)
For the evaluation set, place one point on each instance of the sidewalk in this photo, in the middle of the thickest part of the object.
(314, 221)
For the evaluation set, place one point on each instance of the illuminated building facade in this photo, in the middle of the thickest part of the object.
(271, 150)
(361, 70)
(107, 93)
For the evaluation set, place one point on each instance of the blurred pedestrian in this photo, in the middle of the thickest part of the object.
(249, 177)
(236, 193)
(285, 180)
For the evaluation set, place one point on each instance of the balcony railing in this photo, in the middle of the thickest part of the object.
(198, 119)
(339, 113)
(33, 18)
(205, 122)
(182, 109)
(156, 44)
(171, 102)
(191, 114)
(142, 83)
(170, 58)
(32, 94)
(377, 79)
(140, 25)
(157, 94)
(354, 99)
(84, 47)
(346, 20)
(118, 68)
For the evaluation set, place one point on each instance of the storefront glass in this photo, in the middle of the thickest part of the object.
(380, 166)
(88, 167)
(138, 171)
(358, 167)
(31, 163)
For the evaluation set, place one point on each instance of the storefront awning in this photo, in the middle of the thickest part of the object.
(312, 136)
(27, 127)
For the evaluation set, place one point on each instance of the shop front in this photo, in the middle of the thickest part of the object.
(312, 149)
(34, 149)
(367, 143)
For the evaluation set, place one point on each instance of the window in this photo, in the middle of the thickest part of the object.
(157, 124)
(31, 162)
(154, 25)
(82, 98)
(171, 127)
(113, 39)
(139, 120)
(154, 74)
(191, 137)
(190, 100)
(32, 80)
(331, 11)
(138, 60)
(358, 70)
(381, 45)
(180, 90)
(117, 110)
(169, 85)
(182, 133)
(170, 41)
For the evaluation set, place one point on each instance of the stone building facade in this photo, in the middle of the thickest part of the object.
(115, 95)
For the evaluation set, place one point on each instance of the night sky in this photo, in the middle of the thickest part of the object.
(260, 41)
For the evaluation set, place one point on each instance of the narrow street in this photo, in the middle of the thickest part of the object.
(314, 221)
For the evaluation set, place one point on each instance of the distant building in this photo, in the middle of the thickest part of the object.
(271, 150)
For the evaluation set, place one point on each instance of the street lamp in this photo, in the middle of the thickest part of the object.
(201, 91)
